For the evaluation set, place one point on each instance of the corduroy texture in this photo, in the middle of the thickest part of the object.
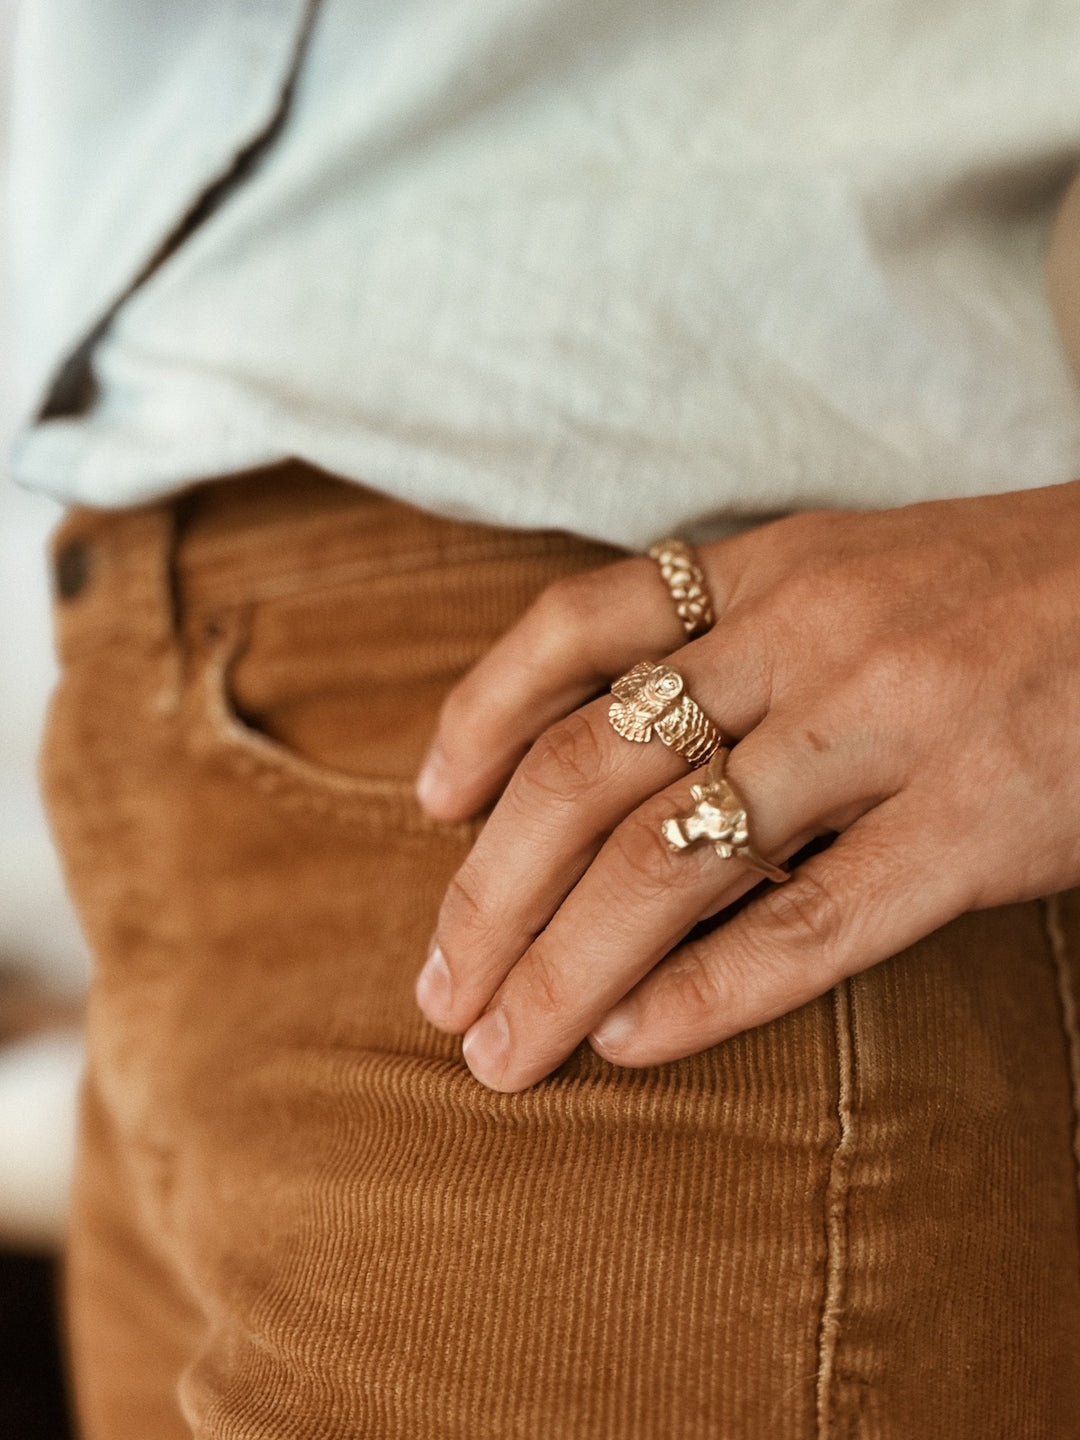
(297, 1214)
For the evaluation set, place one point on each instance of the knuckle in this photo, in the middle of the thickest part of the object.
(560, 611)
(890, 668)
(641, 853)
(824, 595)
(904, 676)
(697, 989)
(568, 759)
(787, 538)
(563, 620)
(724, 989)
(804, 914)
(464, 920)
(541, 981)
(576, 596)
(807, 589)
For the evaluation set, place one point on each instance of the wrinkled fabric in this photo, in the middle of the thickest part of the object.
(622, 268)
(297, 1214)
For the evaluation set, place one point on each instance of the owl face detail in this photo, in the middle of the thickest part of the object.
(653, 687)
(663, 686)
(642, 696)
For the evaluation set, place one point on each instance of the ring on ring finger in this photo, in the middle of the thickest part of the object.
(719, 817)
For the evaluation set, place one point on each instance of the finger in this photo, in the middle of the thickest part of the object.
(571, 642)
(882, 885)
(574, 786)
(635, 902)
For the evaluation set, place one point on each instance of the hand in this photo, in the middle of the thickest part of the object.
(908, 680)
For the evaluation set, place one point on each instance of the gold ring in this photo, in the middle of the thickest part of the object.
(719, 817)
(685, 579)
(651, 699)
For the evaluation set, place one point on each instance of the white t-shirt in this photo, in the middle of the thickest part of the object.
(617, 267)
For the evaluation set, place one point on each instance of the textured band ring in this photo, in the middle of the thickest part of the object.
(685, 579)
(651, 699)
(719, 817)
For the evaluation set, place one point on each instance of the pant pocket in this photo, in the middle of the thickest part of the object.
(310, 752)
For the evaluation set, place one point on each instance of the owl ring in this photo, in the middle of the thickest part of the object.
(651, 700)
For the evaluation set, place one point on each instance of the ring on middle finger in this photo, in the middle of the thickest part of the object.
(651, 699)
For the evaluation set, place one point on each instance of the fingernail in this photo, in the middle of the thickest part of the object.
(486, 1048)
(432, 782)
(615, 1028)
(433, 987)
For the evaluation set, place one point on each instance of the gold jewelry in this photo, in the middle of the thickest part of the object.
(719, 816)
(685, 579)
(650, 699)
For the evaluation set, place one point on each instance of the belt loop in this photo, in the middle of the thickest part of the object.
(114, 589)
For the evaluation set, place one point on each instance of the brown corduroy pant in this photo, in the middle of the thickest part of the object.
(296, 1212)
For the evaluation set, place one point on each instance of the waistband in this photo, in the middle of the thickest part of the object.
(143, 575)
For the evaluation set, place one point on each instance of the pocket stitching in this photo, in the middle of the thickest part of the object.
(291, 780)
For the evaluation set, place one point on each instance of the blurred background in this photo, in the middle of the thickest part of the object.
(43, 965)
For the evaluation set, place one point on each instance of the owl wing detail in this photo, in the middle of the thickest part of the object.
(631, 721)
(631, 686)
(634, 710)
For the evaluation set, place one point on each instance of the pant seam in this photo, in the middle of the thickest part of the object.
(1054, 926)
(836, 1213)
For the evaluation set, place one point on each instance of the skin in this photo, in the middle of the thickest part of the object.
(907, 681)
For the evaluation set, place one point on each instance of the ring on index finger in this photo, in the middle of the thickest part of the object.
(686, 582)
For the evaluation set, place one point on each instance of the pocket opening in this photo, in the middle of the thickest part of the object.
(223, 732)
